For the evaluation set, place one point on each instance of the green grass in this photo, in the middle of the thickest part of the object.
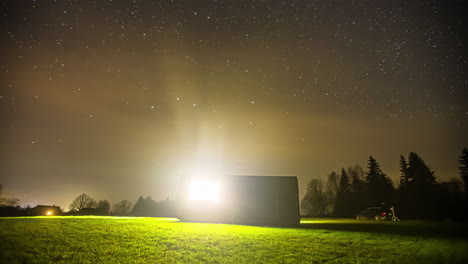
(165, 240)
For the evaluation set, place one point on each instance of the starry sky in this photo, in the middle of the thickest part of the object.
(123, 98)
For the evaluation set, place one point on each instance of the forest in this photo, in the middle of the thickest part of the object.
(418, 195)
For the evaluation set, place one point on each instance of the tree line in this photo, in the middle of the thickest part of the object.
(419, 194)
(84, 204)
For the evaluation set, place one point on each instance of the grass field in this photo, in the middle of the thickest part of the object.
(165, 240)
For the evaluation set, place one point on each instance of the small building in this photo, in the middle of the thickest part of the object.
(46, 210)
(245, 200)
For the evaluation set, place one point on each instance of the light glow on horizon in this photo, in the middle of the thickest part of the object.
(205, 190)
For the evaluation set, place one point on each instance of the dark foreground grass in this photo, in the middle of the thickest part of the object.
(163, 240)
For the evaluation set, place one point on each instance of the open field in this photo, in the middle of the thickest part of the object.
(165, 240)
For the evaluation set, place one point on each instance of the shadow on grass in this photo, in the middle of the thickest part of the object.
(411, 228)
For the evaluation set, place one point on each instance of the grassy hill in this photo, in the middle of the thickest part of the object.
(165, 240)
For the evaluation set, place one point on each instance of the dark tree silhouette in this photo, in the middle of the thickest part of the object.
(380, 187)
(82, 201)
(403, 170)
(419, 172)
(419, 192)
(103, 207)
(358, 199)
(144, 207)
(463, 167)
(166, 208)
(463, 160)
(122, 208)
(315, 201)
(450, 200)
(342, 208)
(9, 201)
(138, 208)
(357, 178)
(345, 183)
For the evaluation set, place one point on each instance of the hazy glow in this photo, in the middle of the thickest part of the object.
(301, 98)
(204, 190)
(204, 172)
(49, 212)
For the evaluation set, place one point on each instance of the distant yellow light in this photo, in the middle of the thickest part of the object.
(49, 212)
(204, 190)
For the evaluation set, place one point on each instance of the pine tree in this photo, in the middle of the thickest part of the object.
(139, 207)
(380, 187)
(403, 171)
(418, 171)
(418, 194)
(342, 207)
(463, 160)
(357, 178)
(345, 183)
(358, 197)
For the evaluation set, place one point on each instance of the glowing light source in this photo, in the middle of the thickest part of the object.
(49, 213)
(204, 190)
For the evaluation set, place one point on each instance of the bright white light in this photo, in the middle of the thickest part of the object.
(204, 190)
(49, 212)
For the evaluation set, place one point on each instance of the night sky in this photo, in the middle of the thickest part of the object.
(122, 98)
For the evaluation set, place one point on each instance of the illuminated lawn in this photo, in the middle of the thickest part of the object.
(160, 240)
